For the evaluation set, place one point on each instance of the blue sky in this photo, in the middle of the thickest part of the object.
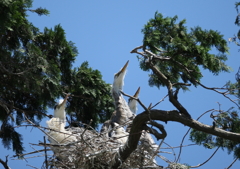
(106, 31)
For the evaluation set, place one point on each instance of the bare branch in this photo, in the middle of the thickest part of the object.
(167, 82)
(154, 132)
(173, 115)
(199, 165)
(139, 101)
(180, 151)
(45, 151)
(37, 151)
(232, 163)
(4, 163)
(158, 102)
(222, 93)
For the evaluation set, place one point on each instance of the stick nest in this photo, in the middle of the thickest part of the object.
(94, 150)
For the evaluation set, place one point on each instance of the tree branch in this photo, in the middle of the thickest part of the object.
(173, 115)
(180, 151)
(206, 160)
(164, 79)
(169, 85)
(4, 163)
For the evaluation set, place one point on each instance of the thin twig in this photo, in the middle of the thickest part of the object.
(170, 148)
(179, 146)
(222, 93)
(32, 166)
(159, 102)
(4, 163)
(206, 160)
(38, 151)
(138, 100)
(232, 163)
(45, 151)
(180, 151)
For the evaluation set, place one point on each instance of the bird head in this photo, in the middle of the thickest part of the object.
(133, 103)
(118, 129)
(119, 78)
(59, 109)
(135, 95)
(59, 104)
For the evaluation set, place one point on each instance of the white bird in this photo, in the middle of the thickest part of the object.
(118, 82)
(119, 134)
(132, 103)
(59, 109)
(58, 134)
(123, 112)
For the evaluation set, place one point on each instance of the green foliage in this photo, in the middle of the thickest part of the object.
(228, 121)
(185, 52)
(8, 135)
(40, 11)
(36, 68)
(236, 38)
(91, 97)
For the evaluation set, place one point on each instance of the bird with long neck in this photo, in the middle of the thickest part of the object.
(59, 109)
(122, 113)
(132, 103)
(58, 134)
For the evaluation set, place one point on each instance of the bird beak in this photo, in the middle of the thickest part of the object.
(137, 92)
(64, 102)
(135, 95)
(122, 70)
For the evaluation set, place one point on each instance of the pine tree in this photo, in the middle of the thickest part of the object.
(175, 57)
(36, 69)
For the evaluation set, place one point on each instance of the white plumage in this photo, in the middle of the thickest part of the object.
(123, 113)
(118, 82)
(59, 109)
(120, 134)
(132, 103)
(58, 134)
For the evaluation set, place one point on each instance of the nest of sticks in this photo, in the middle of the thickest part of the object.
(94, 150)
